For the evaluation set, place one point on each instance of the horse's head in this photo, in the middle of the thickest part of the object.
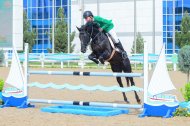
(84, 37)
(86, 32)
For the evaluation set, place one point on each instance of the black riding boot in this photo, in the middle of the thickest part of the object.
(121, 49)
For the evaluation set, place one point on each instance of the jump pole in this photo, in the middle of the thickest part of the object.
(77, 73)
(81, 103)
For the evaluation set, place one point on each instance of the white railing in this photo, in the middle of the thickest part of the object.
(48, 59)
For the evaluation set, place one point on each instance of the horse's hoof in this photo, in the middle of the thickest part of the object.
(127, 101)
(139, 101)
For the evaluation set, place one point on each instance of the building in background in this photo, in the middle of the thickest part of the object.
(172, 20)
(40, 15)
(156, 20)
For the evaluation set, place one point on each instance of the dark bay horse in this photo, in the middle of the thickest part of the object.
(103, 51)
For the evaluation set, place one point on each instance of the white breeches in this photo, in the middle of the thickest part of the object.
(114, 35)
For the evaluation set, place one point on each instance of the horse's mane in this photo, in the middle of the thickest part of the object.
(91, 24)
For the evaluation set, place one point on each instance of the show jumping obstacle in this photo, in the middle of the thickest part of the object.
(22, 100)
(27, 100)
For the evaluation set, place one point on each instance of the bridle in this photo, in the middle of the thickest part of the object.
(91, 39)
(92, 33)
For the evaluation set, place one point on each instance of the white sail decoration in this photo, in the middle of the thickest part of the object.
(16, 76)
(160, 81)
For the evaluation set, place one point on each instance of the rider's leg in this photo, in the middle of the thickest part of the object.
(117, 42)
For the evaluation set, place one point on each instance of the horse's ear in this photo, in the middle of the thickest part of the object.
(79, 29)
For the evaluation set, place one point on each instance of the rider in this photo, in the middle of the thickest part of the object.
(107, 27)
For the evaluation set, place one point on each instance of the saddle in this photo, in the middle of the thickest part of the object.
(112, 42)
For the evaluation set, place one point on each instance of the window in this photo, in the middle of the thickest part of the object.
(178, 19)
(58, 2)
(169, 20)
(178, 5)
(25, 3)
(46, 13)
(164, 39)
(34, 3)
(186, 4)
(164, 28)
(164, 20)
(64, 2)
(39, 13)
(164, 34)
(169, 28)
(169, 7)
(46, 3)
(177, 28)
(169, 34)
(34, 13)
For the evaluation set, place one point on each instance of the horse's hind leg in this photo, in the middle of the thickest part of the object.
(127, 80)
(136, 95)
(127, 69)
(137, 98)
(117, 68)
(121, 85)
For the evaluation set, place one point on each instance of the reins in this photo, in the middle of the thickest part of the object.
(113, 51)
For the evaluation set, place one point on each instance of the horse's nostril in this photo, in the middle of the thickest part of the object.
(83, 50)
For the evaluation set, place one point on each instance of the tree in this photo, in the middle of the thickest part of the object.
(29, 34)
(183, 36)
(61, 37)
(139, 44)
(184, 60)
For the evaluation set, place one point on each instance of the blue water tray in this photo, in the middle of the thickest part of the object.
(85, 110)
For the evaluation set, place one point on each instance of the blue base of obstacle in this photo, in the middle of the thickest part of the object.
(15, 102)
(85, 110)
(13, 97)
(158, 111)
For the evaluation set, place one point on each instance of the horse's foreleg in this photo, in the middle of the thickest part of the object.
(105, 55)
(121, 85)
(92, 57)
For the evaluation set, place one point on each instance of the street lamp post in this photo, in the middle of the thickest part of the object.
(68, 25)
(135, 26)
(173, 26)
(53, 26)
(153, 27)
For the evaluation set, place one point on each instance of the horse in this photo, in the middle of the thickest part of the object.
(103, 50)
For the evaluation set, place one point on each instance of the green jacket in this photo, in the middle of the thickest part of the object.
(105, 24)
